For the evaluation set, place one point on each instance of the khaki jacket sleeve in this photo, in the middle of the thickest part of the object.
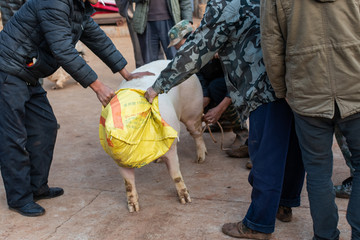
(273, 43)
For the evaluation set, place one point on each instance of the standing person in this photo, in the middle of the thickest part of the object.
(312, 55)
(152, 21)
(38, 39)
(126, 10)
(9, 8)
(232, 29)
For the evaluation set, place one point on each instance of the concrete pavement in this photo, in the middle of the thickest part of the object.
(94, 203)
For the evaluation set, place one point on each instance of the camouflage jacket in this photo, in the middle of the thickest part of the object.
(231, 28)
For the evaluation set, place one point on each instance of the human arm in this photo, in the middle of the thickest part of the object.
(55, 24)
(103, 92)
(54, 19)
(273, 43)
(100, 44)
(213, 115)
(199, 48)
(129, 76)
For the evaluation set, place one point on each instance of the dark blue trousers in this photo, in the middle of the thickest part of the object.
(277, 175)
(156, 34)
(316, 139)
(28, 131)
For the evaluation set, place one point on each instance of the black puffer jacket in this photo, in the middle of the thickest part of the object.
(45, 32)
(9, 8)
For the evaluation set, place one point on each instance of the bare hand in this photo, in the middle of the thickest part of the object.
(129, 76)
(212, 116)
(138, 75)
(103, 92)
(150, 94)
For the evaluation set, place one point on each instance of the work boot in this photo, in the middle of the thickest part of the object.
(51, 193)
(30, 209)
(248, 164)
(239, 230)
(284, 214)
(344, 190)
(241, 152)
(241, 138)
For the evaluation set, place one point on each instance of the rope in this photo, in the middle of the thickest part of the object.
(212, 136)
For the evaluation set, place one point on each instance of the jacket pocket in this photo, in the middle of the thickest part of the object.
(43, 65)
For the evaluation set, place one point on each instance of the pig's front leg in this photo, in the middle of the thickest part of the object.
(132, 197)
(194, 127)
(172, 163)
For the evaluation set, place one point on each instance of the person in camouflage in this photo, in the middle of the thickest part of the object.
(217, 102)
(232, 29)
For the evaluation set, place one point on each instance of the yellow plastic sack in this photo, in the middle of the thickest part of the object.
(132, 131)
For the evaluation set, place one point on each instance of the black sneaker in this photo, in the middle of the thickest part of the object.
(30, 209)
(51, 193)
(344, 190)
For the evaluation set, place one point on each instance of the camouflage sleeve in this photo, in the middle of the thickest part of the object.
(199, 48)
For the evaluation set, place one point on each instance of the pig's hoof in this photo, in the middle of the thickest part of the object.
(200, 159)
(184, 196)
(201, 153)
(133, 207)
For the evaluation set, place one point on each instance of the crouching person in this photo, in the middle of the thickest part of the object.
(232, 29)
(38, 39)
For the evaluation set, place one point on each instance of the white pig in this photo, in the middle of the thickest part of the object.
(182, 103)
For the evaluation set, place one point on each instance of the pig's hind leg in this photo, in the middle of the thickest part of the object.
(132, 196)
(172, 163)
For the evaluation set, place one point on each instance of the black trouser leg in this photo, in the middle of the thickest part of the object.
(27, 137)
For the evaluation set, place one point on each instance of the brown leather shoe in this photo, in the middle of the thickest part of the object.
(239, 230)
(248, 164)
(284, 214)
(241, 152)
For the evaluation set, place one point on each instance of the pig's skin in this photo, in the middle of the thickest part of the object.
(182, 103)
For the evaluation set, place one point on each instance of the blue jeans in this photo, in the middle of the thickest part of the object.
(156, 34)
(277, 175)
(316, 139)
(28, 131)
